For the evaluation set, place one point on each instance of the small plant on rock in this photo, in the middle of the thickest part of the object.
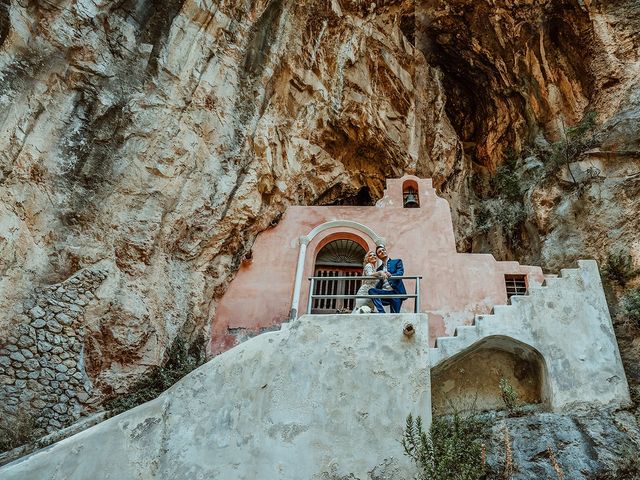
(555, 464)
(619, 268)
(631, 306)
(504, 207)
(576, 141)
(506, 182)
(509, 396)
(181, 359)
(450, 450)
(509, 467)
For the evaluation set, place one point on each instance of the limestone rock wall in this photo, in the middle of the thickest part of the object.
(515, 70)
(516, 77)
(583, 445)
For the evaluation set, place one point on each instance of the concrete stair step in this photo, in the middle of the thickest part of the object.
(466, 331)
(479, 320)
(518, 299)
(569, 272)
(466, 335)
(447, 347)
(443, 343)
(434, 356)
(499, 310)
(535, 287)
(551, 281)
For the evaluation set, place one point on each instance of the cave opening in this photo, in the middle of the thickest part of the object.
(361, 198)
(508, 77)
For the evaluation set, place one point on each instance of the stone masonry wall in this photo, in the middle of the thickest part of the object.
(41, 362)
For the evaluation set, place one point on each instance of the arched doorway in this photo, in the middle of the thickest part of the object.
(338, 258)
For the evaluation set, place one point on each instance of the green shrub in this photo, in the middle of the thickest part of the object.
(631, 306)
(500, 213)
(509, 396)
(582, 128)
(18, 430)
(502, 196)
(619, 268)
(450, 450)
(506, 183)
(505, 206)
(181, 360)
(576, 141)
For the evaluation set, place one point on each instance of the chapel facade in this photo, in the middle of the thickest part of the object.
(487, 319)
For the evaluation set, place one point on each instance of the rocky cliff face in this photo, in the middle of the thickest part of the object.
(517, 81)
(150, 142)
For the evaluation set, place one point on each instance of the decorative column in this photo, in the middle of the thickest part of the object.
(293, 313)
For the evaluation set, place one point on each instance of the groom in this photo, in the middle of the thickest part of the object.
(388, 285)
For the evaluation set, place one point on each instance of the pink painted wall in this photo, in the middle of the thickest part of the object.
(454, 287)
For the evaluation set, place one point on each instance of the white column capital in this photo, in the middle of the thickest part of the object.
(304, 240)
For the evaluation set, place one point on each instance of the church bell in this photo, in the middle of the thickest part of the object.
(410, 199)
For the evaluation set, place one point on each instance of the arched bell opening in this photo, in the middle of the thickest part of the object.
(410, 196)
(471, 379)
(339, 256)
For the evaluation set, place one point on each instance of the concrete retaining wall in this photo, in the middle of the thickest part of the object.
(323, 398)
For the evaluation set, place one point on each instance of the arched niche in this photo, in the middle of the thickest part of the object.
(332, 237)
(471, 379)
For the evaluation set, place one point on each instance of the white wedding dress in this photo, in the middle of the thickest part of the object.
(368, 271)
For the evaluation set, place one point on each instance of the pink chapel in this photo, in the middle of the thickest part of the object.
(410, 220)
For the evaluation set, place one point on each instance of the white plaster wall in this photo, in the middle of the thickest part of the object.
(326, 396)
(568, 322)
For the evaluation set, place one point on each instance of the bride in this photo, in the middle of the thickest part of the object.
(369, 270)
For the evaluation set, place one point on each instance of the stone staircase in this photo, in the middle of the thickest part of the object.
(565, 323)
(489, 324)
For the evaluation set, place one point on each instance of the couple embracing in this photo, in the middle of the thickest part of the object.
(383, 282)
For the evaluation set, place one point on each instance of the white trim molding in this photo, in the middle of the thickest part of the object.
(377, 239)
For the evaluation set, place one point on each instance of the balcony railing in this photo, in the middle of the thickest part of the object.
(317, 296)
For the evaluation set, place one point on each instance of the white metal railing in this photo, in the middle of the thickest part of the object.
(313, 296)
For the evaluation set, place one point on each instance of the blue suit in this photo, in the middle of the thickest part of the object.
(396, 269)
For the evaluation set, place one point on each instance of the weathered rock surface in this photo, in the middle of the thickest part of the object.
(515, 70)
(584, 445)
(519, 75)
(159, 139)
